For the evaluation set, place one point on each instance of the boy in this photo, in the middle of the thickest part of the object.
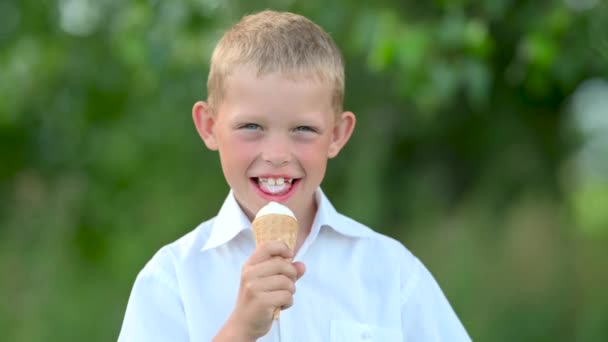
(274, 114)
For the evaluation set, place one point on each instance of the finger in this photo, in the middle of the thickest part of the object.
(300, 269)
(277, 283)
(274, 266)
(280, 299)
(269, 249)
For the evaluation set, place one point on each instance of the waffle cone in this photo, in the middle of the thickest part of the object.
(275, 227)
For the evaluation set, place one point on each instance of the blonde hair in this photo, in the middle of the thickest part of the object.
(281, 42)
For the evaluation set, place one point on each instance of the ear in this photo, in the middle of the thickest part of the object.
(205, 124)
(342, 131)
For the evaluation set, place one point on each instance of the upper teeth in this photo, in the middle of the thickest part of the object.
(277, 181)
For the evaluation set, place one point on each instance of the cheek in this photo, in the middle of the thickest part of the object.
(313, 156)
(235, 152)
(245, 150)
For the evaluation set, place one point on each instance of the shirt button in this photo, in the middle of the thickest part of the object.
(366, 335)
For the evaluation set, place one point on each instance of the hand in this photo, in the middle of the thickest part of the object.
(267, 282)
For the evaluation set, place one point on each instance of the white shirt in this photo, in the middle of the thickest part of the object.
(359, 285)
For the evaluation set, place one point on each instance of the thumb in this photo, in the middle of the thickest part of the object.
(300, 267)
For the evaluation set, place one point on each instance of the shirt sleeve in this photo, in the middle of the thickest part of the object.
(426, 314)
(155, 311)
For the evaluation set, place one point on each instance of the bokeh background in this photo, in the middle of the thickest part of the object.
(482, 145)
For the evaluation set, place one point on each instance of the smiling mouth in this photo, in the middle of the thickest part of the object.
(274, 186)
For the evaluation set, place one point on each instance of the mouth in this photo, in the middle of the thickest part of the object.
(275, 188)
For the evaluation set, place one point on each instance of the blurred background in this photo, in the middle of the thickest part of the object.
(482, 145)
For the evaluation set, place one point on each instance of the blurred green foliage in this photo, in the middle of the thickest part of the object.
(480, 144)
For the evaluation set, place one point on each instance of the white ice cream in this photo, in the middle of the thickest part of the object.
(275, 208)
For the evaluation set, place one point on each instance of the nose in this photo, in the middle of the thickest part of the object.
(277, 151)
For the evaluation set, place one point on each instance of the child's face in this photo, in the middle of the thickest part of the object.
(274, 136)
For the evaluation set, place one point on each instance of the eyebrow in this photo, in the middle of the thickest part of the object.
(246, 116)
(304, 120)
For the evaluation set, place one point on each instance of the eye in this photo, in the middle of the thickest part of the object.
(305, 129)
(250, 126)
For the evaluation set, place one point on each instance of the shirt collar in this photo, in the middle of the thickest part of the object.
(231, 220)
(327, 216)
(228, 223)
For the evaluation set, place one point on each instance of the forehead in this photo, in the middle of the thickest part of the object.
(276, 91)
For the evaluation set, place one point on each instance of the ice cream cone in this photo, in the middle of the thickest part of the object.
(275, 224)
